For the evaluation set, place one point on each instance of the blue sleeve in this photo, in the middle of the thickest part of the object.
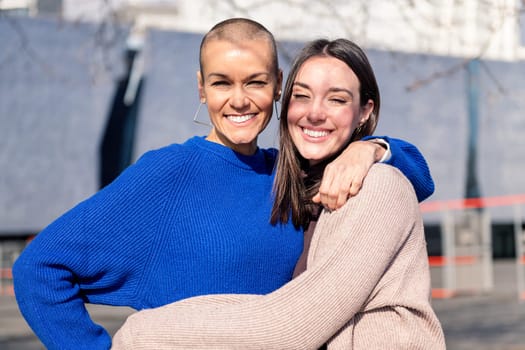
(49, 277)
(91, 254)
(407, 158)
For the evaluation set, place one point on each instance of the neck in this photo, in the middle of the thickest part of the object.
(247, 149)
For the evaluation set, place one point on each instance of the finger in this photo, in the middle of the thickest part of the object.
(317, 198)
(327, 185)
(325, 201)
(327, 179)
(337, 190)
(329, 200)
(340, 190)
(341, 199)
(355, 187)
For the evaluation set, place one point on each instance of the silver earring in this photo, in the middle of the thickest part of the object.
(276, 110)
(196, 116)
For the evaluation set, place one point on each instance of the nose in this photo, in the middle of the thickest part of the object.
(316, 114)
(239, 98)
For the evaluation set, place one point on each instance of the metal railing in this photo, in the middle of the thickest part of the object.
(466, 265)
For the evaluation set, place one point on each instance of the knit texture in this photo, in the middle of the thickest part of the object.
(407, 158)
(185, 220)
(367, 286)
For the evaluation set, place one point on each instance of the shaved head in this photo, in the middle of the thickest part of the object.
(238, 30)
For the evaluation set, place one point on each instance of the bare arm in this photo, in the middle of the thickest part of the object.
(359, 243)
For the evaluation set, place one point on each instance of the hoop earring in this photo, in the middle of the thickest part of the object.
(276, 110)
(196, 116)
(357, 131)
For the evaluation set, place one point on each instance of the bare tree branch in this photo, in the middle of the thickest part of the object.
(437, 75)
(25, 47)
(501, 89)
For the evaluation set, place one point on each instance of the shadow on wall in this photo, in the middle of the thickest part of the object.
(116, 149)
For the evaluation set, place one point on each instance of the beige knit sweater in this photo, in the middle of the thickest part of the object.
(366, 286)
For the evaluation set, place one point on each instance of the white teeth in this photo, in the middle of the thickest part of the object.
(315, 133)
(240, 118)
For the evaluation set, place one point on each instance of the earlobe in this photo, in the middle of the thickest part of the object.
(368, 110)
(200, 86)
(364, 120)
(277, 96)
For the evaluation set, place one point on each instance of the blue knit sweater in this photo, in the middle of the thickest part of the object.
(160, 233)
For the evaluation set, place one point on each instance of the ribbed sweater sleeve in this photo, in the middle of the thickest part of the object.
(368, 256)
(96, 252)
(407, 158)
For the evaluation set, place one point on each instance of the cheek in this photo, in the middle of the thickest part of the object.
(295, 112)
(215, 101)
(347, 122)
(264, 100)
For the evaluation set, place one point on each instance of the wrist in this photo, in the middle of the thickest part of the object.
(382, 150)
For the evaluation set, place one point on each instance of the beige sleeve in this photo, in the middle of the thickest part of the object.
(307, 311)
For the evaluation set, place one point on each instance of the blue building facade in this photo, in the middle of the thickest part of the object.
(59, 83)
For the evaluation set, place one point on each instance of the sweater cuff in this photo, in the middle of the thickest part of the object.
(388, 154)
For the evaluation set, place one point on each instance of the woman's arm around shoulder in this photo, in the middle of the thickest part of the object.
(307, 311)
(411, 162)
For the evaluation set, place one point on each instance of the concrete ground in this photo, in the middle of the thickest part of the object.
(495, 321)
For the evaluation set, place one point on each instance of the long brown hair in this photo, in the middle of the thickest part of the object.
(295, 182)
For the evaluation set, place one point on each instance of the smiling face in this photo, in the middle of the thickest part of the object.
(325, 108)
(239, 84)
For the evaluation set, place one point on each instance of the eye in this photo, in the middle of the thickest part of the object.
(258, 83)
(299, 96)
(219, 83)
(338, 100)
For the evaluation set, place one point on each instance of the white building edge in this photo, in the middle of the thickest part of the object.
(489, 29)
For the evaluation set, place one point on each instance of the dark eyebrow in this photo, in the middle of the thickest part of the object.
(303, 85)
(336, 89)
(217, 75)
(250, 77)
(333, 89)
(257, 75)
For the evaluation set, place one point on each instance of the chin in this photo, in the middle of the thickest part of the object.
(312, 158)
(244, 140)
(315, 156)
